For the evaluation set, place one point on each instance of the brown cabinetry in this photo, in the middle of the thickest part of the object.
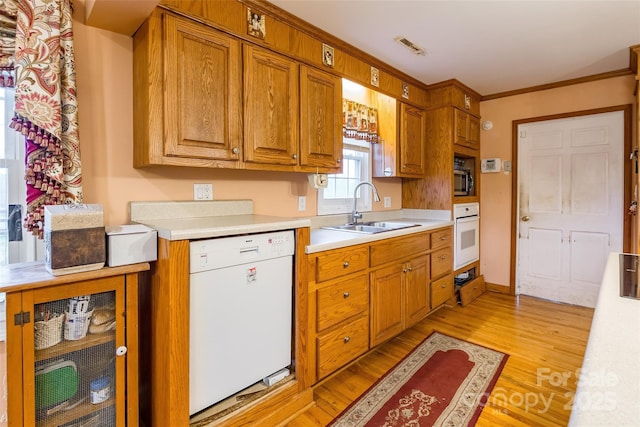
(339, 288)
(320, 119)
(453, 135)
(270, 108)
(72, 346)
(467, 129)
(412, 141)
(205, 98)
(400, 154)
(363, 295)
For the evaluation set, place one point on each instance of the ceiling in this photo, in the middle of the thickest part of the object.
(490, 46)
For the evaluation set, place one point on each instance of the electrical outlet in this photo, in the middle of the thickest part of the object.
(387, 201)
(302, 203)
(202, 191)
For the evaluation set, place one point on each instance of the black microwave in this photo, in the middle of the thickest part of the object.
(462, 182)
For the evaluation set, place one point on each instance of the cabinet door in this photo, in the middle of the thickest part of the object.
(461, 127)
(417, 295)
(270, 108)
(413, 124)
(473, 137)
(467, 129)
(202, 103)
(73, 365)
(320, 118)
(386, 305)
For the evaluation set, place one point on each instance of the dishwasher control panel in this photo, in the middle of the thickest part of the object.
(229, 251)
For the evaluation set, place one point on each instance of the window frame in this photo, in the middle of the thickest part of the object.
(341, 205)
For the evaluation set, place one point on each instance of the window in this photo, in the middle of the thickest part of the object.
(356, 167)
(19, 246)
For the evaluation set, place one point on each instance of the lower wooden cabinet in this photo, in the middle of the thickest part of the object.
(442, 290)
(342, 344)
(472, 290)
(72, 347)
(386, 304)
(339, 308)
(364, 295)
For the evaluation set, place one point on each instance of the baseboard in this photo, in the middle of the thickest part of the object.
(501, 289)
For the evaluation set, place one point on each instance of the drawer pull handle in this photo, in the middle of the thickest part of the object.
(443, 286)
(347, 339)
(346, 295)
(442, 257)
(443, 237)
(346, 264)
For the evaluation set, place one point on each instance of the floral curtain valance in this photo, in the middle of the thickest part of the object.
(359, 121)
(46, 106)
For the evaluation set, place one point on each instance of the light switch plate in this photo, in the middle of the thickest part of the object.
(387, 201)
(302, 203)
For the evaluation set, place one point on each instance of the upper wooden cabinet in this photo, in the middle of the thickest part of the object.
(467, 129)
(187, 101)
(452, 132)
(270, 108)
(320, 118)
(205, 98)
(411, 145)
(401, 153)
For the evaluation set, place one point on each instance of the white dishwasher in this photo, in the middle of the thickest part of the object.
(240, 323)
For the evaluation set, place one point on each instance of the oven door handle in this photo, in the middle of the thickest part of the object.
(468, 218)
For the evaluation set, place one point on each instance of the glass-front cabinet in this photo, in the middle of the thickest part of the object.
(72, 354)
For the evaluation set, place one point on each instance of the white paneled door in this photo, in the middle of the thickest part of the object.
(570, 182)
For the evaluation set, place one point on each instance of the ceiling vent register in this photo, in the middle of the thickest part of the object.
(410, 45)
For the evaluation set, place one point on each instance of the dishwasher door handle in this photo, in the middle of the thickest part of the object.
(251, 249)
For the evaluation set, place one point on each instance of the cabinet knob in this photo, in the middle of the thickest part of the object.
(347, 339)
(339, 161)
(404, 270)
(121, 351)
(295, 156)
(346, 264)
(443, 286)
(442, 257)
(346, 295)
(410, 268)
(235, 150)
(443, 237)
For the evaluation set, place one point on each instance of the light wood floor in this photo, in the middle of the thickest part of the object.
(545, 342)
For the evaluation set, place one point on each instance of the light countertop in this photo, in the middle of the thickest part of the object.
(323, 239)
(609, 386)
(219, 226)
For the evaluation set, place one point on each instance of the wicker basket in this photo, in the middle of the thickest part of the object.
(48, 333)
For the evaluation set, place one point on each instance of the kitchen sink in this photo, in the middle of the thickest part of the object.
(371, 227)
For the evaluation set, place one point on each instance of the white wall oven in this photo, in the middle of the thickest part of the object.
(466, 224)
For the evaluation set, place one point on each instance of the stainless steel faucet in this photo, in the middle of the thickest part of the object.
(355, 215)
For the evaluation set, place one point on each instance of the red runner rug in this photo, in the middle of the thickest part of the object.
(442, 382)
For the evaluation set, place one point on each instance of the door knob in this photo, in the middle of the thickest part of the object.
(525, 218)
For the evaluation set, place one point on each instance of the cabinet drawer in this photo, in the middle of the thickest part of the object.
(338, 347)
(400, 248)
(343, 300)
(441, 290)
(472, 290)
(441, 238)
(338, 263)
(441, 261)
